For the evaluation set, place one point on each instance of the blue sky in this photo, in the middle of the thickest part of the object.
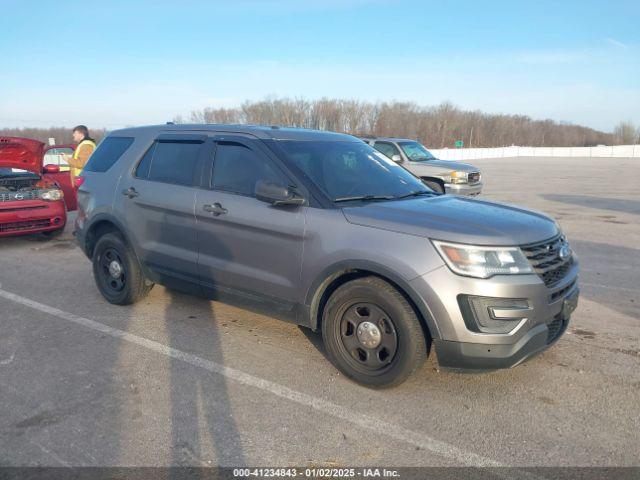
(116, 63)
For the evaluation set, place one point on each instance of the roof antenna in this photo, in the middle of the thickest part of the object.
(171, 123)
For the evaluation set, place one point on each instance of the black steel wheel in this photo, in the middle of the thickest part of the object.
(369, 336)
(372, 334)
(117, 272)
(112, 270)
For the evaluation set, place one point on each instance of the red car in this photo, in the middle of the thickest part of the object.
(32, 196)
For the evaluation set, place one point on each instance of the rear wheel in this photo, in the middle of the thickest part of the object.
(117, 271)
(372, 334)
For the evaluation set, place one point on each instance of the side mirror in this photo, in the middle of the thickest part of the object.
(396, 158)
(51, 168)
(276, 194)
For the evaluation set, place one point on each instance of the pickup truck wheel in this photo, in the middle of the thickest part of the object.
(372, 334)
(434, 185)
(117, 272)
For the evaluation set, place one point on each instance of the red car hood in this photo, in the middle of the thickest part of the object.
(23, 153)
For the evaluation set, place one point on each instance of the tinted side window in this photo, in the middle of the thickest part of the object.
(175, 162)
(388, 149)
(108, 152)
(236, 169)
(142, 171)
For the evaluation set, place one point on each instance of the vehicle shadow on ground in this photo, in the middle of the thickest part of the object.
(315, 338)
(603, 203)
(610, 275)
(24, 240)
(200, 405)
(37, 239)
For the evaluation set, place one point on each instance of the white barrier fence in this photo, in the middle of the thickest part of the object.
(616, 151)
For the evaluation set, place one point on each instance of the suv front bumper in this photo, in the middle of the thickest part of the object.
(463, 188)
(457, 346)
(481, 356)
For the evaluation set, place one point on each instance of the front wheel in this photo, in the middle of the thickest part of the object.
(372, 334)
(433, 185)
(117, 271)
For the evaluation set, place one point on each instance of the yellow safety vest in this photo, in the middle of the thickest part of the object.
(77, 171)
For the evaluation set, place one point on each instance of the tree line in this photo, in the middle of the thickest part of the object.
(62, 135)
(436, 126)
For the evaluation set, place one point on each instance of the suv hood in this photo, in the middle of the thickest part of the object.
(446, 165)
(22, 153)
(456, 219)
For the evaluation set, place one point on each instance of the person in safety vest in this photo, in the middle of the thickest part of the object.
(86, 146)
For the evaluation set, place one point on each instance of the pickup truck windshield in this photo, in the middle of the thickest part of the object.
(416, 152)
(351, 171)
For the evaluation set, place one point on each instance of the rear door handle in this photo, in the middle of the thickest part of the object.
(130, 192)
(216, 209)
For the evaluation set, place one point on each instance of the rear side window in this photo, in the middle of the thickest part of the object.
(108, 153)
(170, 162)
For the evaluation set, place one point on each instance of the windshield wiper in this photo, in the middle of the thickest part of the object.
(417, 193)
(364, 197)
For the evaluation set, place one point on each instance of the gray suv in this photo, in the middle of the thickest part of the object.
(324, 231)
(443, 176)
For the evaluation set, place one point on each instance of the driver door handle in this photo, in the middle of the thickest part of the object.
(130, 192)
(216, 209)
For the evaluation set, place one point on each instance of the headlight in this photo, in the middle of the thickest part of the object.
(459, 177)
(51, 195)
(483, 262)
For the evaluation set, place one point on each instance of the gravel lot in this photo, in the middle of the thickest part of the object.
(177, 380)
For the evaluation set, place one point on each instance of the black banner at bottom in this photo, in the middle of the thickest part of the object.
(402, 473)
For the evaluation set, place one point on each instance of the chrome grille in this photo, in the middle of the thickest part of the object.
(545, 259)
(473, 177)
(20, 195)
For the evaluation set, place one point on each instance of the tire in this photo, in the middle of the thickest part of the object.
(351, 344)
(434, 185)
(125, 283)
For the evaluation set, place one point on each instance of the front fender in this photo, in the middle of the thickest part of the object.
(83, 234)
(326, 277)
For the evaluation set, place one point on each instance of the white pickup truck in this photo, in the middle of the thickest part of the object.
(443, 176)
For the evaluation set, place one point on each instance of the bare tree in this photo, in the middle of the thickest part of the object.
(61, 135)
(435, 126)
(438, 126)
(626, 133)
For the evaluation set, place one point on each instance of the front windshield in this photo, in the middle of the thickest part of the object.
(416, 152)
(347, 171)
